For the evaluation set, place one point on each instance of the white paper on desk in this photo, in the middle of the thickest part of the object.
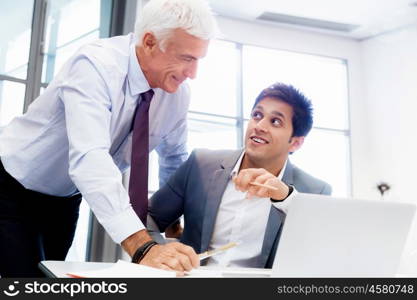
(205, 273)
(124, 269)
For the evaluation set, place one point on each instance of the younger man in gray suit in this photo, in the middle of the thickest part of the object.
(218, 191)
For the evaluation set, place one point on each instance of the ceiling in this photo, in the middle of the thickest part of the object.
(357, 19)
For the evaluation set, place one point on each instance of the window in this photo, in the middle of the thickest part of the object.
(214, 90)
(323, 80)
(214, 108)
(12, 96)
(15, 32)
(65, 33)
(211, 132)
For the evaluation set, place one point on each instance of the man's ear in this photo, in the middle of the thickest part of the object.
(295, 143)
(149, 42)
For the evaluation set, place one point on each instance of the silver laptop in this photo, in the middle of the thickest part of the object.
(325, 236)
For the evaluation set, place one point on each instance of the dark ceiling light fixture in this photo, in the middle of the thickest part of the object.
(307, 22)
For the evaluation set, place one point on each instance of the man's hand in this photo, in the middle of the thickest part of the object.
(172, 256)
(245, 177)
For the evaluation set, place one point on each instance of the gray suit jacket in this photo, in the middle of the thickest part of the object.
(196, 190)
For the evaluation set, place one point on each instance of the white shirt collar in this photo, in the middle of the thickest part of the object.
(137, 80)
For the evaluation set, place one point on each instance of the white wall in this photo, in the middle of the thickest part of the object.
(390, 73)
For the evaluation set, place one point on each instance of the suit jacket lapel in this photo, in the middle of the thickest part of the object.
(288, 176)
(275, 221)
(218, 184)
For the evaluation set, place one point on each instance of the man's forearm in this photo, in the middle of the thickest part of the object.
(134, 241)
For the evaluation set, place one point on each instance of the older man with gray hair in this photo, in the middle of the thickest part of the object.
(114, 101)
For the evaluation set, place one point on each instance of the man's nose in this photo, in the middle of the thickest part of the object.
(261, 125)
(191, 70)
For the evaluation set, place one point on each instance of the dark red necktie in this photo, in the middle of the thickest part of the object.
(138, 183)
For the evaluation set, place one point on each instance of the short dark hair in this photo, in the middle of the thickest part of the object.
(302, 119)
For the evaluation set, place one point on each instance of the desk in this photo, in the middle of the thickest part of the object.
(59, 269)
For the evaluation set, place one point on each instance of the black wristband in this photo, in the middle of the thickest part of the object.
(290, 190)
(142, 250)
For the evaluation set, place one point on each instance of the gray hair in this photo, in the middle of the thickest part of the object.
(161, 17)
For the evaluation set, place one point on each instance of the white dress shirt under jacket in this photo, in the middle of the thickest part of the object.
(243, 221)
(76, 136)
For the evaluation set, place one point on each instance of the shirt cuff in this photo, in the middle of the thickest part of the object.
(283, 205)
(123, 225)
(290, 190)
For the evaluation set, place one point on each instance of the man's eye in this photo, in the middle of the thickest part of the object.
(256, 115)
(276, 122)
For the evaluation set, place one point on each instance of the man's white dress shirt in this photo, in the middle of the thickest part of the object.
(76, 137)
(243, 221)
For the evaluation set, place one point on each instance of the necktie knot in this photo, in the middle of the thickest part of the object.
(147, 96)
